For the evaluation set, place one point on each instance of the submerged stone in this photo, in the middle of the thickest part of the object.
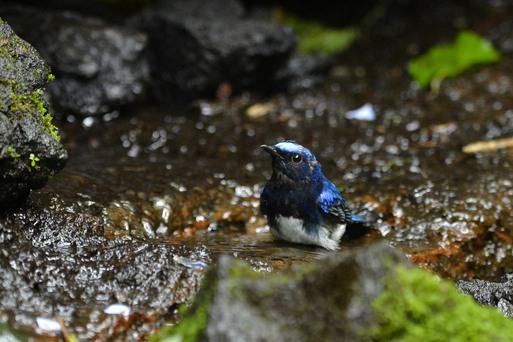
(30, 148)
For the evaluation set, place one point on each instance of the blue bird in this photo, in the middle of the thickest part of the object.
(300, 203)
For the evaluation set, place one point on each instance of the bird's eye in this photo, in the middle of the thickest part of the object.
(296, 158)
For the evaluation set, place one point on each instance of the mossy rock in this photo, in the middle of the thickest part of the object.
(329, 300)
(418, 306)
(370, 293)
(30, 148)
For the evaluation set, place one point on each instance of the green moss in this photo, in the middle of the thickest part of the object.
(21, 96)
(33, 102)
(5, 52)
(191, 328)
(240, 270)
(417, 306)
(240, 273)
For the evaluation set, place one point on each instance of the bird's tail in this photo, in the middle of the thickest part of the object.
(357, 227)
(358, 219)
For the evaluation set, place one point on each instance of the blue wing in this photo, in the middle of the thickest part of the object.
(331, 202)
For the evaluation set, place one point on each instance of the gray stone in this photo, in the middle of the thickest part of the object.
(329, 300)
(490, 293)
(62, 265)
(30, 150)
(99, 67)
(196, 47)
(505, 307)
(304, 72)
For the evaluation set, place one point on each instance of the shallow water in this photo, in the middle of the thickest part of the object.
(164, 191)
(149, 199)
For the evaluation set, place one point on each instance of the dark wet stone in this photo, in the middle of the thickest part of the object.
(197, 47)
(497, 294)
(30, 151)
(305, 72)
(101, 9)
(99, 67)
(62, 265)
(227, 9)
(341, 13)
(329, 300)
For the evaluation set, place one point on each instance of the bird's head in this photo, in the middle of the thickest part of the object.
(292, 161)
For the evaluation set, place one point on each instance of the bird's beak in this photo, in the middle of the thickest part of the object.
(271, 150)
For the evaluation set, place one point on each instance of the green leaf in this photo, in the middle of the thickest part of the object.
(33, 161)
(12, 152)
(445, 61)
(317, 38)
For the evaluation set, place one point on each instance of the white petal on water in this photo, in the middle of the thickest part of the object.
(365, 113)
(117, 309)
(48, 324)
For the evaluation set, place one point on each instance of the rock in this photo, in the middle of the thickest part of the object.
(337, 14)
(505, 307)
(99, 67)
(227, 9)
(30, 151)
(304, 72)
(197, 47)
(365, 294)
(329, 300)
(60, 264)
(489, 293)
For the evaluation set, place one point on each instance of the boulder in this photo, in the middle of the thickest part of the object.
(330, 300)
(369, 293)
(99, 66)
(61, 265)
(197, 46)
(30, 148)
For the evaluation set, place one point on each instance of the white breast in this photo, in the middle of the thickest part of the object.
(291, 229)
